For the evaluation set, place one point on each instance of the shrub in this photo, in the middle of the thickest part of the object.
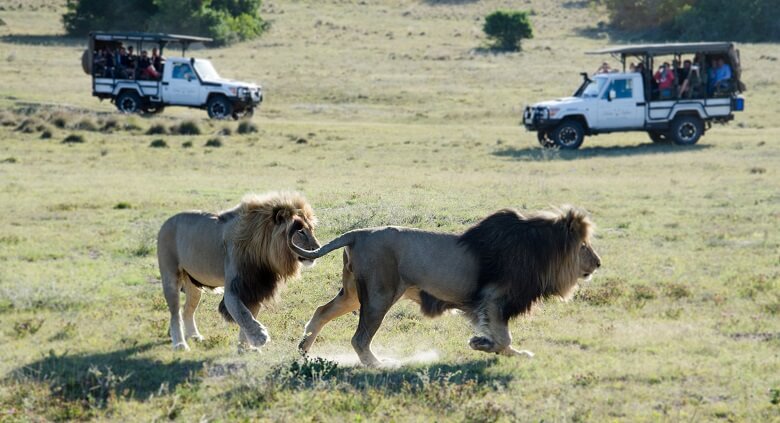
(223, 20)
(46, 134)
(246, 127)
(158, 144)
(507, 28)
(214, 142)
(73, 138)
(110, 125)
(87, 124)
(187, 127)
(157, 129)
(186, 144)
(698, 20)
(122, 205)
(30, 125)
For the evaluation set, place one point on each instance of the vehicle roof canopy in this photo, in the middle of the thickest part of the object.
(671, 48)
(147, 36)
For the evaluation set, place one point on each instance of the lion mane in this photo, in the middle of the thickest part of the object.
(260, 246)
(527, 258)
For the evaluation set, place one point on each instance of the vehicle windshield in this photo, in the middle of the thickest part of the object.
(206, 70)
(593, 88)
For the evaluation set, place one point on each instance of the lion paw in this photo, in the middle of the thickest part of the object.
(481, 343)
(197, 337)
(181, 346)
(257, 338)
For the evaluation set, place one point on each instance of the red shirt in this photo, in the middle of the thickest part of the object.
(664, 79)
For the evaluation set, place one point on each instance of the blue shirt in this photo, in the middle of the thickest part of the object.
(723, 73)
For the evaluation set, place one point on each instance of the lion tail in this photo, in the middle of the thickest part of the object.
(224, 312)
(432, 306)
(342, 241)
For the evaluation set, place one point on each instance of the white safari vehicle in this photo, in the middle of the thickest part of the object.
(133, 87)
(632, 100)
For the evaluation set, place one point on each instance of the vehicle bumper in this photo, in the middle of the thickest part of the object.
(534, 120)
(249, 100)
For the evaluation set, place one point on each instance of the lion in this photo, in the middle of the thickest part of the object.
(243, 249)
(494, 271)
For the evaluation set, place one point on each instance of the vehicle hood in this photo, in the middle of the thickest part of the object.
(229, 83)
(561, 102)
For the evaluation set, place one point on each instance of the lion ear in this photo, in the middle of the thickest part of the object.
(282, 215)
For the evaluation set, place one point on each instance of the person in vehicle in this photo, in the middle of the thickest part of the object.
(145, 68)
(120, 63)
(665, 79)
(719, 76)
(604, 68)
(131, 62)
(157, 61)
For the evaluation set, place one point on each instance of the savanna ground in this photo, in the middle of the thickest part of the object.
(386, 112)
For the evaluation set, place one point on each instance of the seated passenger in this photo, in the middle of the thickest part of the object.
(684, 75)
(157, 61)
(719, 77)
(604, 68)
(632, 67)
(120, 63)
(145, 68)
(665, 79)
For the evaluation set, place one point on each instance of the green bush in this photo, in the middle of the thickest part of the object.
(697, 20)
(83, 16)
(507, 28)
(225, 21)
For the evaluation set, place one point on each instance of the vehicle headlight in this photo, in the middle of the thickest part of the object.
(243, 92)
(544, 113)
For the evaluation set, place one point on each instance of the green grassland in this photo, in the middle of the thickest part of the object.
(389, 112)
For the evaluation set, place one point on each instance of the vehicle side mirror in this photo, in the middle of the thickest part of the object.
(612, 95)
(189, 77)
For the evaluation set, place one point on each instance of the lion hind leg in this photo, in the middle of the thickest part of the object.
(373, 308)
(341, 304)
(171, 284)
(193, 294)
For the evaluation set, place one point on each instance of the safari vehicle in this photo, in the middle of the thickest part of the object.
(177, 81)
(622, 101)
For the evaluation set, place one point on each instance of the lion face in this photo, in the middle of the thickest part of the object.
(303, 236)
(589, 260)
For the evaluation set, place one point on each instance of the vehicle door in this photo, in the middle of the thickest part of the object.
(622, 105)
(182, 85)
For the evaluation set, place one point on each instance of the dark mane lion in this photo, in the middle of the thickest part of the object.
(492, 272)
(529, 257)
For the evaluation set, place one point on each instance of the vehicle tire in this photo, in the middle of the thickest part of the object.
(128, 102)
(568, 135)
(153, 110)
(659, 137)
(219, 107)
(686, 130)
(544, 139)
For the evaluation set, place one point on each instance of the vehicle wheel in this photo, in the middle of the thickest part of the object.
(154, 110)
(219, 108)
(686, 130)
(544, 139)
(568, 135)
(659, 136)
(128, 102)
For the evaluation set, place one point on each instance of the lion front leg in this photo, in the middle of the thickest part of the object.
(493, 331)
(252, 332)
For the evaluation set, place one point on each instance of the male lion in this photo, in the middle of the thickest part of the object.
(243, 249)
(492, 272)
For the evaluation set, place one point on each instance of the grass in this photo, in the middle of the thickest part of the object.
(405, 121)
